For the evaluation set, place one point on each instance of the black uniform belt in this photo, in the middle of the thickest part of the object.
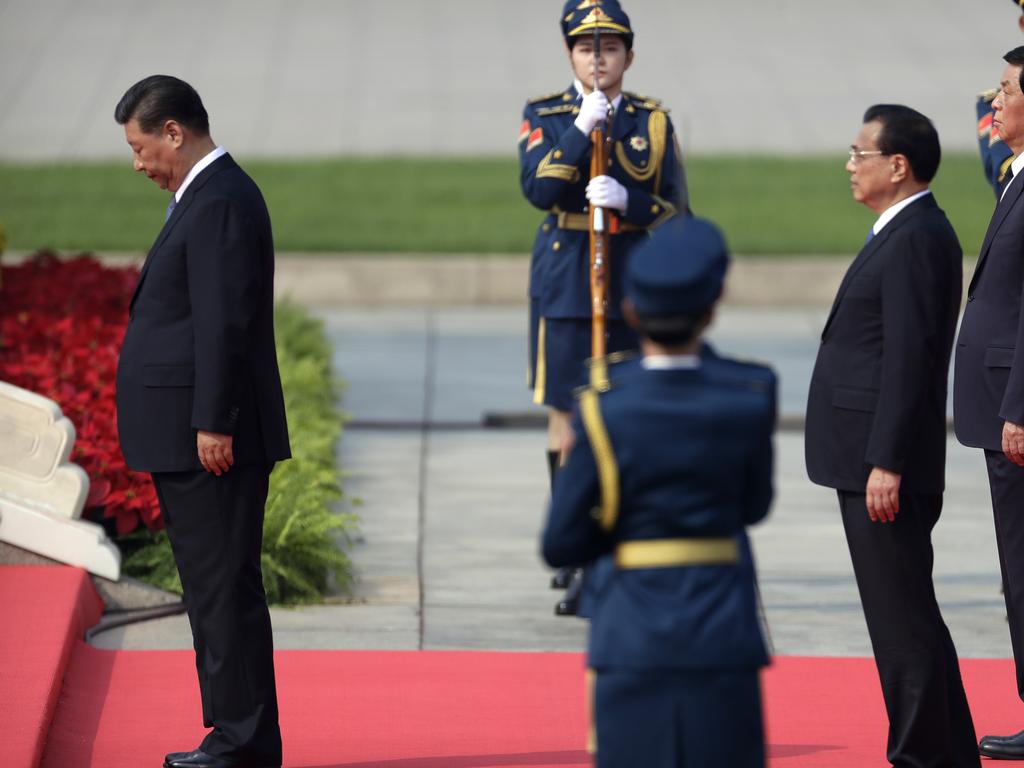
(669, 553)
(580, 222)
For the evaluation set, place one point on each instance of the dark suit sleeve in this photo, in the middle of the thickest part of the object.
(761, 467)
(1012, 407)
(224, 284)
(572, 536)
(915, 286)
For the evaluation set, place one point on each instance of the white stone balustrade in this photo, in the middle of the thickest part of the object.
(42, 493)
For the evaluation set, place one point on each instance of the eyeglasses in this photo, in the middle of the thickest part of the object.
(856, 155)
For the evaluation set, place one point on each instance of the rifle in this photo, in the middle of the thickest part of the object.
(600, 237)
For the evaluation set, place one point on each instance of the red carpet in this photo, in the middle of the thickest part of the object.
(44, 612)
(387, 709)
(460, 709)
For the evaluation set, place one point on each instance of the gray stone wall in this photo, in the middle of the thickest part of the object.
(318, 77)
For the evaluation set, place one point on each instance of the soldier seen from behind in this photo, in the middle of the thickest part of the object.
(666, 469)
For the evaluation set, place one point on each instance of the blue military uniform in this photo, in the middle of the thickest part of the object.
(554, 160)
(668, 469)
(996, 156)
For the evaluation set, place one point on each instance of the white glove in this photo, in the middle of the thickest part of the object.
(606, 192)
(593, 110)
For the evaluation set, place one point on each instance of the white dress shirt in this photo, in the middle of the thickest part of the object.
(1017, 165)
(197, 169)
(670, 362)
(890, 213)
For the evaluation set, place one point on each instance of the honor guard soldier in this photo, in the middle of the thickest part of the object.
(995, 155)
(668, 467)
(643, 187)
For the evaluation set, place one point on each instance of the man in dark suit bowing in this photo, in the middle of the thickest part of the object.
(200, 406)
(876, 429)
(988, 385)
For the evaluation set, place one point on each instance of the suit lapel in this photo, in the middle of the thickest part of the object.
(177, 214)
(1003, 208)
(869, 250)
(855, 266)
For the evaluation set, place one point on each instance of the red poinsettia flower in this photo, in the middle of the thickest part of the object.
(60, 336)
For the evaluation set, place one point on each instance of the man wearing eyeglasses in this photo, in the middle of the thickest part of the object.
(988, 384)
(876, 429)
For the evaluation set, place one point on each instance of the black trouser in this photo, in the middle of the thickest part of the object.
(216, 530)
(929, 720)
(1006, 482)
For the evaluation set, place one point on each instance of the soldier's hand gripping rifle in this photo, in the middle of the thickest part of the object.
(600, 227)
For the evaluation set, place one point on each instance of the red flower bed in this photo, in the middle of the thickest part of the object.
(61, 326)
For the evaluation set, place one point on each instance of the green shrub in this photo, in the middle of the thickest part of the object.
(304, 537)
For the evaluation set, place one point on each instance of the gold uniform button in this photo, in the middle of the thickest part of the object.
(546, 227)
(558, 153)
(655, 209)
(556, 245)
(566, 97)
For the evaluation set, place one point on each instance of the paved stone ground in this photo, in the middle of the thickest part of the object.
(451, 512)
(316, 77)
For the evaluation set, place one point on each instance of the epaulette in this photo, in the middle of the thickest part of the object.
(563, 95)
(642, 97)
(645, 102)
(557, 110)
(988, 96)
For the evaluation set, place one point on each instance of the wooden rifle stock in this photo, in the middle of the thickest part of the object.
(600, 247)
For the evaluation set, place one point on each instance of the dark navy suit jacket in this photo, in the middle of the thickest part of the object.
(988, 384)
(199, 351)
(878, 390)
(694, 452)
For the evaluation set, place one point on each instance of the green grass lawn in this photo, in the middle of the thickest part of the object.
(766, 205)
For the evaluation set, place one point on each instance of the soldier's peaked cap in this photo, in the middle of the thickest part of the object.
(581, 17)
(679, 271)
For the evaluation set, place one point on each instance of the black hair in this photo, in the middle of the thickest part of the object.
(907, 132)
(158, 98)
(672, 331)
(1016, 58)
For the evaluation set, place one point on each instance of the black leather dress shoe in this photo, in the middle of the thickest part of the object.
(197, 759)
(1003, 747)
(562, 578)
(570, 603)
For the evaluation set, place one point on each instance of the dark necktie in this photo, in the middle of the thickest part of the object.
(170, 207)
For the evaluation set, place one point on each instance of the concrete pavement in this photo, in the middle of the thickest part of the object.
(451, 511)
